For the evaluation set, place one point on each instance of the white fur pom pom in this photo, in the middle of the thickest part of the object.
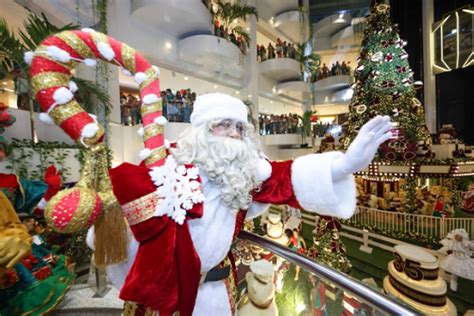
(150, 98)
(93, 116)
(160, 120)
(88, 30)
(106, 51)
(126, 72)
(46, 119)
(28, 57)
(89, 130)
(264, 170)
(144, 153)
(62, 95)
(167, 144)
(42, 204)
(73, 86)
(58, 54)
(157, 70)
(89, 62)
(140, 77)
(140, 131)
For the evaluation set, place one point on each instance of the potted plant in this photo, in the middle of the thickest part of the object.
(228, 14)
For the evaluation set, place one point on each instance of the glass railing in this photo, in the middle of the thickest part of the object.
(302, 286)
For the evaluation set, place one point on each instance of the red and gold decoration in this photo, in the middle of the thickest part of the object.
(92, 200)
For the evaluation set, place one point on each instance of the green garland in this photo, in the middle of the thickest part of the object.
(21, 151)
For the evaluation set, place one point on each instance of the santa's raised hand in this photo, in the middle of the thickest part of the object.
(362, 150)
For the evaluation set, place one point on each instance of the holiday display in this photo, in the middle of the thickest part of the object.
(327, 247)
(468, 199)
(414, 278)
(259, 297)
(186, 204)
(458, 261)
(32, 278)
(384, 85)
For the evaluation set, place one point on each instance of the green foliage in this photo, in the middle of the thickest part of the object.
(306, 122)
(23, 153)
(228, 12)
(384, 81)
(100, 100)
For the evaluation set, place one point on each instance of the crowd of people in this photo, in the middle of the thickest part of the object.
(177, 107)
(221, 31)
(279, 124)
(337, 69)
(281, 49)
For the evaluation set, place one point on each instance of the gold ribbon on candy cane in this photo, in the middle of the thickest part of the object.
(92, 199)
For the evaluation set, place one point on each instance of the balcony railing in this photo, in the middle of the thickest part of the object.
(367, 296)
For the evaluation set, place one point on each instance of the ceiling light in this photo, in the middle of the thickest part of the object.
(271, 101)
(186, 78)
(4, 83)
(215, 86)
(168, 45)
(237, 92)
(247, 29)
(249, 96)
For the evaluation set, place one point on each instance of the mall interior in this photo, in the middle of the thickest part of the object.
(176, 157)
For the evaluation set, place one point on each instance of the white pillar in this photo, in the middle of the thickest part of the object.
(250, 77)
(429, 82)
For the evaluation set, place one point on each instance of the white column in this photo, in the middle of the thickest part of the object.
(429, 82)
(250, 77)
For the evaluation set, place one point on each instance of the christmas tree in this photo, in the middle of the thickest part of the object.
(328, 248)
(384, 85)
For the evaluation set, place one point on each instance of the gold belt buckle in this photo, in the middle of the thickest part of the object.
(203, 277)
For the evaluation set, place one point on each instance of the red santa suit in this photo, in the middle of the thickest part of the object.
(171, 258)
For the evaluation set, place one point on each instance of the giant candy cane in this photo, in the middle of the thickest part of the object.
(51, 64)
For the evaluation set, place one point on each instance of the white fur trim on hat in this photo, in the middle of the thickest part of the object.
(73, 86)
(264, 170)
(150, 98)
(106, 51)
(141, 131)
(58, 54)
(89, 62)
(89, 130)
(28, 57)
(218, 106)
(62, 95)
(160, 120)
(144, 153)
(140, 77)
(46, 119)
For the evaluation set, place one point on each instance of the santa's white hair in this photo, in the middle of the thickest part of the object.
(230, 163)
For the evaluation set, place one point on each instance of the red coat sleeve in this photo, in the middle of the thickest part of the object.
(278, 188)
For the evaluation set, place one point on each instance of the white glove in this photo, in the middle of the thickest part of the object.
(362, 149)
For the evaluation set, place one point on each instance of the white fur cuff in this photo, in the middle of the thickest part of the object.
(317, 192)
(256, 209)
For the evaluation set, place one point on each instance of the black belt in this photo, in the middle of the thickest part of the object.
(216, 274)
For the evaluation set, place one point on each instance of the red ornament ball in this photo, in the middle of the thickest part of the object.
(72, 210)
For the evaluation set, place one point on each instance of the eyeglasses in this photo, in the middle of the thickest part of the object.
(226, 127)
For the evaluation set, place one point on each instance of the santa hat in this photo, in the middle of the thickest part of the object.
(218, 106)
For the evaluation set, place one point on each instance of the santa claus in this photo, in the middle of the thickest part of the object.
(184, 215)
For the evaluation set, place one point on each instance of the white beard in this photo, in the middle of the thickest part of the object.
(230, 163)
